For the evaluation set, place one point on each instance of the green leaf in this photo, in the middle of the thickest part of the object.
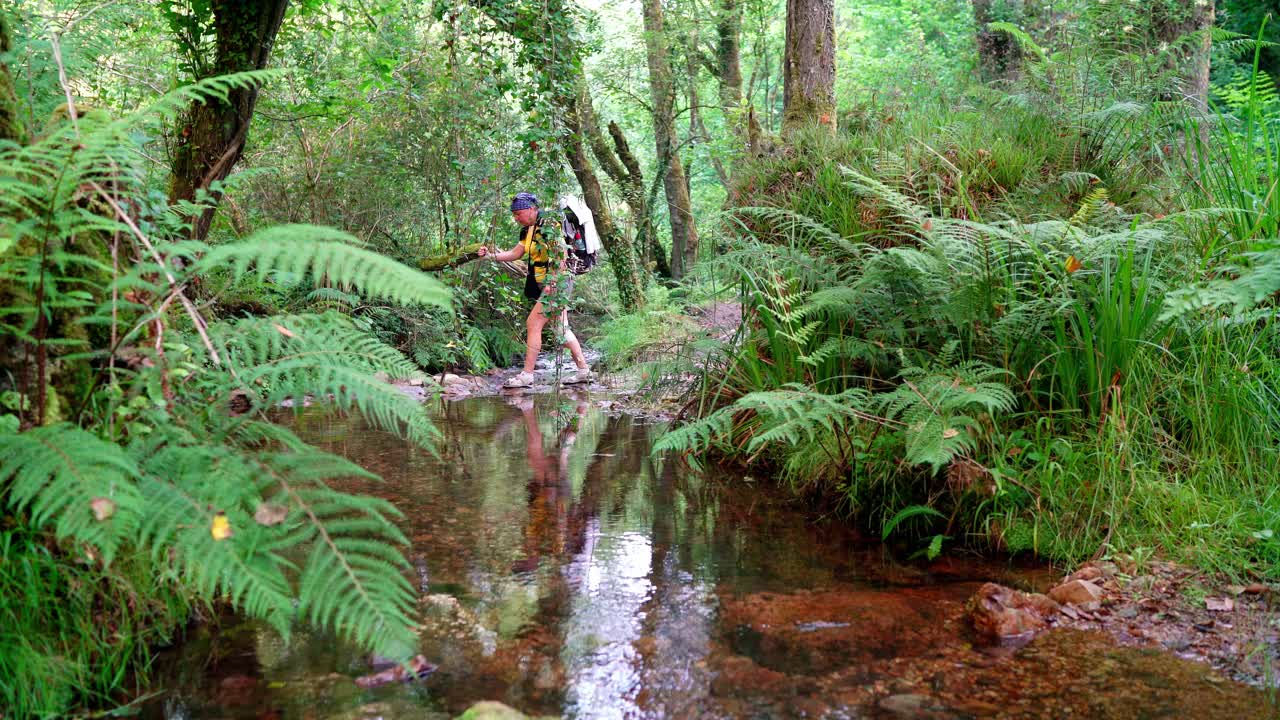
(906, 514)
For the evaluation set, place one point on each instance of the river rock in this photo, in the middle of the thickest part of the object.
(449, 380)
(1081, 593)
(910, 705)
(1091, 573)
(416, 668)
(1004, 615)
(492, 710)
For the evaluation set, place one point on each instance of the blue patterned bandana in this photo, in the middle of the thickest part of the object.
(523, 201)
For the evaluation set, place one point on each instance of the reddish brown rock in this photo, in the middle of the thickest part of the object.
(1081, 593)
(737, 675)
(237, 690)
(1091, 573)
(1004, 615)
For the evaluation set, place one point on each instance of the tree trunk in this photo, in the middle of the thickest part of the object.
(998, 53)
(1192, 64)
(809, 66)
(645, 236)
(620, 249)
(697, 128)
(684, 234)
(214, 135)
(451, 258)
(11, 125)
(729, 58)
(621, 167)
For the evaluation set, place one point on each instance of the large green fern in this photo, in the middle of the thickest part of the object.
(154, 460)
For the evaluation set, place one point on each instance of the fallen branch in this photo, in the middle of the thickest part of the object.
(453, 258)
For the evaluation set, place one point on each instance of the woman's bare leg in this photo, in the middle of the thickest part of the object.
(572, 341)
(533, 338)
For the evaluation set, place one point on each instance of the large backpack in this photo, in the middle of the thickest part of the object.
(579, 259)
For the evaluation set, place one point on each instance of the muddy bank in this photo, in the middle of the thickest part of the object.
(1164, 606)
(849, 652)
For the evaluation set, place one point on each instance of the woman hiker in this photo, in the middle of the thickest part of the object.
(538, 232)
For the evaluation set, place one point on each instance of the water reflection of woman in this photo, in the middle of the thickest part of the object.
(549, 488)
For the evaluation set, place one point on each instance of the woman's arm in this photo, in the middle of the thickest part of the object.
(511, 255)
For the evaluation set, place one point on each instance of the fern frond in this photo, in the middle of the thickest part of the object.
(1257, 279)
(803, 226)
(476, 344)
(796, 413)
(58, 472)
(938, 408)
(844, 348)
(907, 210)
(834, 302)
(175, 102)
(329, 257)
(1074, 181)
(905, 514)
(354, 578)
(1026, 43)
(1089, 207)
(696, 437)
(334, 296)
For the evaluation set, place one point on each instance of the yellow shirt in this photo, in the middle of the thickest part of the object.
(537, 250)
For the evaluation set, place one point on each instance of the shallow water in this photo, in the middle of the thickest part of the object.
(564, 571)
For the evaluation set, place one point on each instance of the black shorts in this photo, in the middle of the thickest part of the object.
(533, 290)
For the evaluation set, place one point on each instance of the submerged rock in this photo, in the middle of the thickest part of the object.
(1003, 615)
(810, 632)
(910, 705)
(493, 710)
(416, 669)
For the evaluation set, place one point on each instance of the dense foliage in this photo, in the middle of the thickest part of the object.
(1019, 293)
(1047, 312)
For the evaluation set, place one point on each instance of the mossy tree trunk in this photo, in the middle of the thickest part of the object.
(645, 235)
(729, 59)
(809, 66)
(11, 126)
(621, 250)
(624, 170)
(684, 233)
(728, 72)
(213, 136)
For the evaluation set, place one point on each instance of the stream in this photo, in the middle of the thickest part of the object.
(565, 571)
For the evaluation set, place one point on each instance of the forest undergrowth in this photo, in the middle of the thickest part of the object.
(1041, 321)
